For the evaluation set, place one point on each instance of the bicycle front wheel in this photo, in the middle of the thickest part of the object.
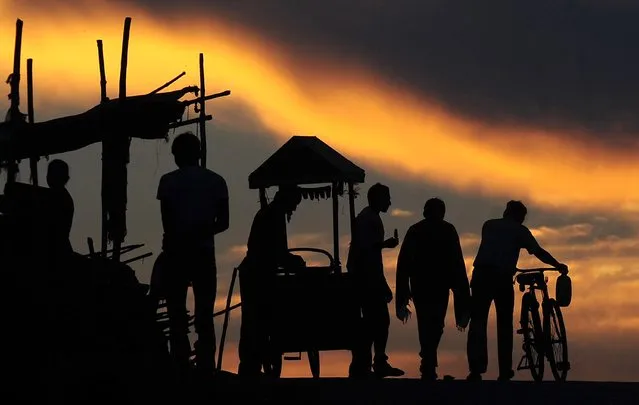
(533, 336)
(557, 344)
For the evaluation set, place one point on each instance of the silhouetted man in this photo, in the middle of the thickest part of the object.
(366, 265)
(63, 209)
(195, 207)
(267, 251)
(492, 279)
(430, 263)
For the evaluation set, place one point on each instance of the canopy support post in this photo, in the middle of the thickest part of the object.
(351, 204)
(336, 227)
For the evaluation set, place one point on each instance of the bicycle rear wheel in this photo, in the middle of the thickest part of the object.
(557, 344)
(533, 336)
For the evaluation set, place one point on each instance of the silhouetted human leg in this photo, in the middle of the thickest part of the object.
(505, 307)
(176, 307)
(253, 337)
(430, 309)
(361, 353)
(204, 292)
(377, 319)
(367, 339)
(381, 324)
(477, 345)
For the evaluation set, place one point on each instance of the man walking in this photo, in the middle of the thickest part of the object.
(429, 265)
(492, 279)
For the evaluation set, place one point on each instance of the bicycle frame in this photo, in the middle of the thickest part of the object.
(531, 280)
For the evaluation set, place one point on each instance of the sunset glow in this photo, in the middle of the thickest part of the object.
(356, 114)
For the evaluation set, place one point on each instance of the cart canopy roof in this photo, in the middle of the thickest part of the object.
(305, 160)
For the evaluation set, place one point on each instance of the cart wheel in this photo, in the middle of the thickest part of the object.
(314, 362)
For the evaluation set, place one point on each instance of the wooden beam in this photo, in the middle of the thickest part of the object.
(202, 113)
(33, 161)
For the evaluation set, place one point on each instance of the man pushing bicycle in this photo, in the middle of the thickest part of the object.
(494, 268)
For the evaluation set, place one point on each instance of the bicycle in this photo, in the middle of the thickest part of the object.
(550, 341)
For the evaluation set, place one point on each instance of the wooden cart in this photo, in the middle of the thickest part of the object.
(314, 307)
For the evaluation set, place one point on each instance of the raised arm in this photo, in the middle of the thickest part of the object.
(533, 247)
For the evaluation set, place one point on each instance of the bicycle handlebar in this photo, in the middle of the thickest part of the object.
(537, 270)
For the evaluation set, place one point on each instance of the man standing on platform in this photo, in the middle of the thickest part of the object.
(195, 207)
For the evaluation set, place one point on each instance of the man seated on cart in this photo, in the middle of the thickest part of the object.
(267, 251)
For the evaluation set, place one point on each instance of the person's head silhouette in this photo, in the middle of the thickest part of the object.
(516, 211)
(57, 173)
(379, 197)
(186, 150)
(288, 198)
(434, 209)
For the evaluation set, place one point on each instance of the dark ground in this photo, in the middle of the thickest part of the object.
(412, 391)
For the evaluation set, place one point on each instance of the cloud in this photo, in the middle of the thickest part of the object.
(398, 212)
(547, 64)
(563, 234)
(351, 110)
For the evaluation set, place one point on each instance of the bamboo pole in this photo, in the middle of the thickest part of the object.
(209, 97)
(103, 81)
(202, 113)
(140, 257)
(188, 122)
(15, 77)
(103, 99)
(33, 161)
(125, 57)
(167, 84)
(227, 314)
(117, 242)
(14, 109)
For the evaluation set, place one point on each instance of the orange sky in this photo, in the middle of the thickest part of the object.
(352, 111)
(362, 117)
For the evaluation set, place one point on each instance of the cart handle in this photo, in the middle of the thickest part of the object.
(316, 250)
